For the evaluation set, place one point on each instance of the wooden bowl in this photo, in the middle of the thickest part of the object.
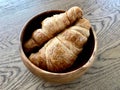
(82, 63)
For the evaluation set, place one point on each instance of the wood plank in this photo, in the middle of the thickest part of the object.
(104, 16)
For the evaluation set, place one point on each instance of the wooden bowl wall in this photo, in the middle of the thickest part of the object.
(82, 63)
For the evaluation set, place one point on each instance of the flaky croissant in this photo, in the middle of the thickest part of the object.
(60, 53)
(52, 26)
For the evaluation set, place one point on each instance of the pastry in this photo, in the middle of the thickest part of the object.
(52, 26)
(61, 38)
(59, 53)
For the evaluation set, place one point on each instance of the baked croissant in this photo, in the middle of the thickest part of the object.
(52, 26)
(83, 23)
(60, 53)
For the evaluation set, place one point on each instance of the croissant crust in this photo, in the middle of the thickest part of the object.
(60, 50)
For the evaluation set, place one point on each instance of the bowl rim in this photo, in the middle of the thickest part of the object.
(87, 64)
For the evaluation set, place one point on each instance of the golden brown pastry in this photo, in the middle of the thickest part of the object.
(58, 23)
(38, 38)
(54, 56)
(60, 53)
(83, 23)
(52, 26)
(64, 36)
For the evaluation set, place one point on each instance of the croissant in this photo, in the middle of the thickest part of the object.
(83, 23)
(37, 40)
(52, 26)
(60, 52)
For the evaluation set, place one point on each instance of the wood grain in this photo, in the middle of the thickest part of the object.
(104, 16)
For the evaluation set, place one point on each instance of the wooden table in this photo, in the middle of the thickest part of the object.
(104, 16)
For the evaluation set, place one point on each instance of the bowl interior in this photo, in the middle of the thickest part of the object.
(35, 23)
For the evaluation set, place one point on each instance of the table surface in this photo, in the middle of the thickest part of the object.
(104, 16)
